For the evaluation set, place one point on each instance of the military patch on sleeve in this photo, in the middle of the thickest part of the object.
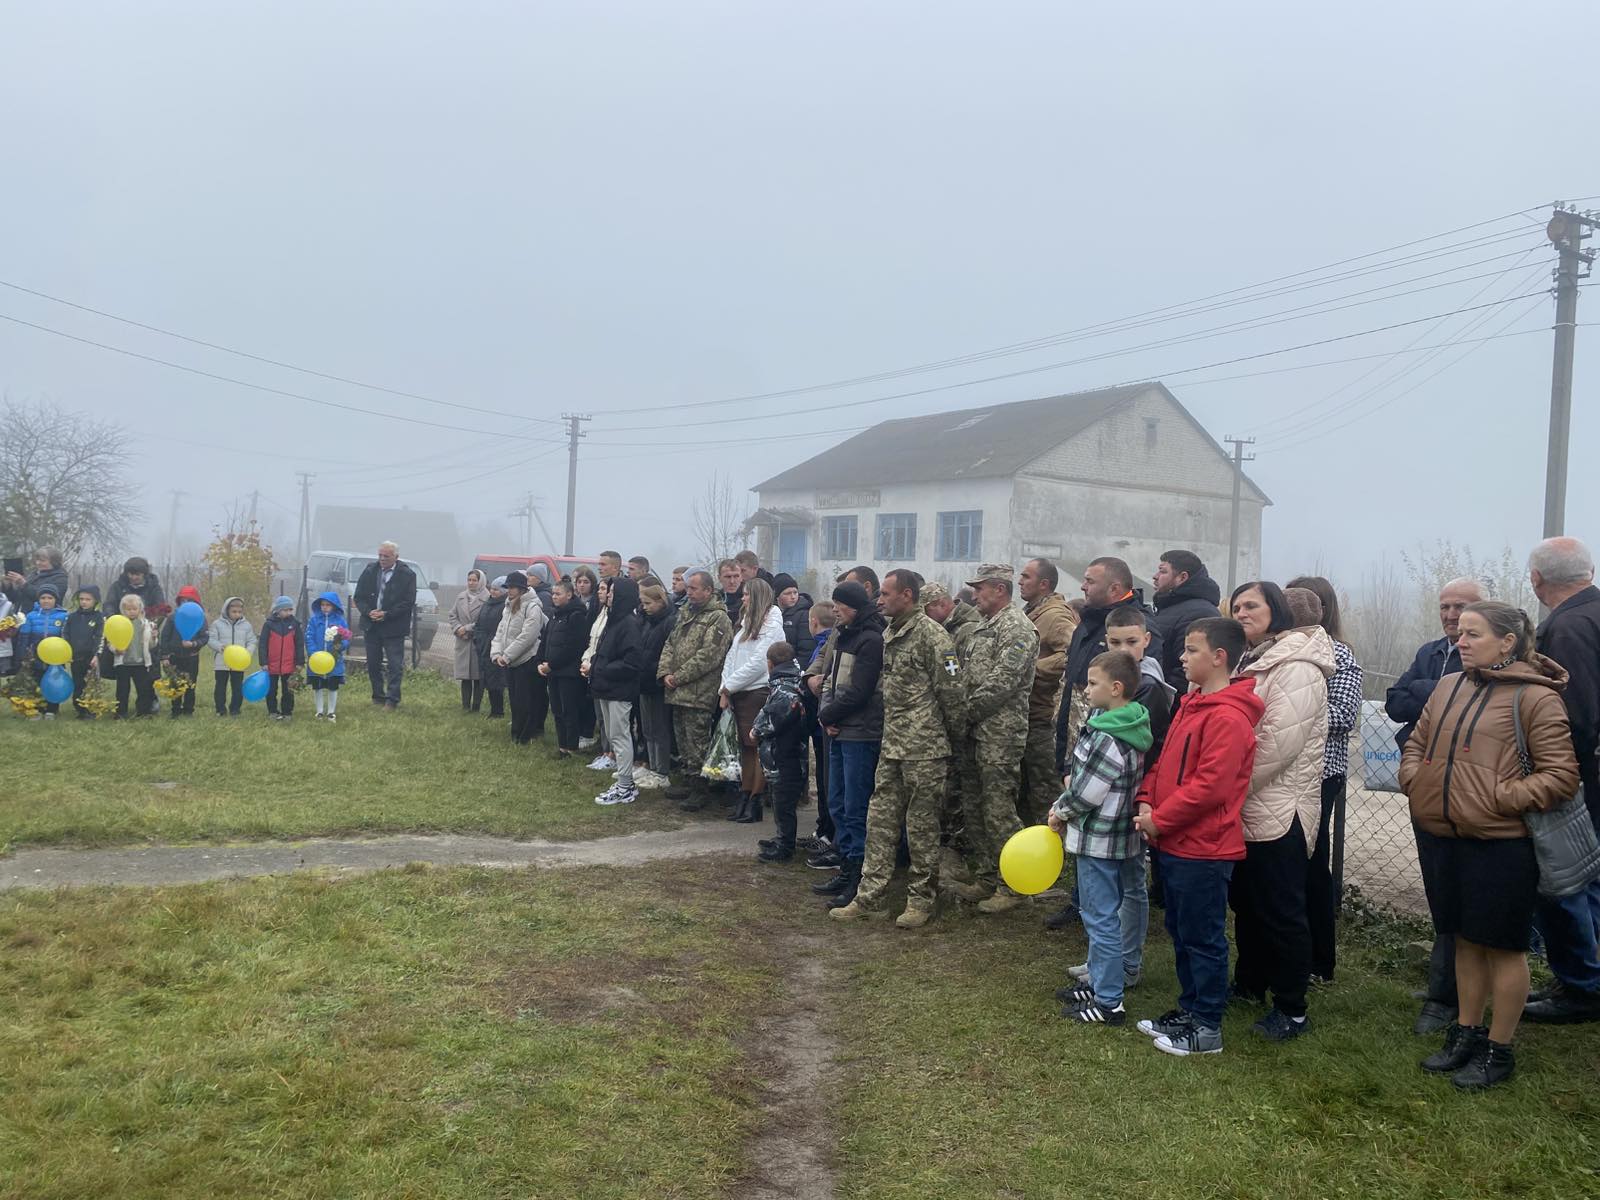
(952, 665)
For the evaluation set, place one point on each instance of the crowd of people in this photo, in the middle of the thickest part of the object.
(1186, 748)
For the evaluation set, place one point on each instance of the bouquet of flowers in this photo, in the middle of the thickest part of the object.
(90, 697)
(156, 613)
(173, 683)
(9, 626)
(22, 689)
(338, 639)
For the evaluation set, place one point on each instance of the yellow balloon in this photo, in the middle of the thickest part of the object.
(54, 650)
(321, 662)
(1031, 861)
(235, 658)
(119, 632)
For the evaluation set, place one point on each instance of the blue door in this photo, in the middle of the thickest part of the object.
(791, 552)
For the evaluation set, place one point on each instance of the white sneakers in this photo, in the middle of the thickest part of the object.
(653, 780)
(603, 763)
(617, 794)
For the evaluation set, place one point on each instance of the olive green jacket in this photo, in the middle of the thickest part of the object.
(924, 705)
(999, 668)
(694, 652)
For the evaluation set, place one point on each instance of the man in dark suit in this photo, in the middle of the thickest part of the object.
(386, 597)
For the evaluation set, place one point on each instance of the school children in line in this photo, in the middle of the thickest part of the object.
(230, 629)
(283, 653)
(46, 619)
(85, 632)
(326, 629)
(181, 653)
(131, 665)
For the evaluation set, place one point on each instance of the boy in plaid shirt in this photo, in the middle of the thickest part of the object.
(1094, 817)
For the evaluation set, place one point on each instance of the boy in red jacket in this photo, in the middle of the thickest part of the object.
(1189, 810)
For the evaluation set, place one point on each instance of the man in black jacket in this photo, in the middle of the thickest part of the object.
(1107, 584)
(1562, 572)
(386, 598)
(852, 714)
(1185, 593)
(1404, 703)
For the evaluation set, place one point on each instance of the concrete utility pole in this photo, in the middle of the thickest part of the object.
(303, 541)
(255, 498)
(1567, 232)
(574, 420)
(172, 532)
(1239, 459)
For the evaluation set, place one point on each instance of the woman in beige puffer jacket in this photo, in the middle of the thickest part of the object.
(1290, 662)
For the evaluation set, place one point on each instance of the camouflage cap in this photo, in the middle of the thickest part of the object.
(1003, 572)
(933, 592)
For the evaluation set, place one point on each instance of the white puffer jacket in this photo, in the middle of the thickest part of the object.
(1291, 676)
(744, 667)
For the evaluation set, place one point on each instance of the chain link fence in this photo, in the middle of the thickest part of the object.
(1374, 849)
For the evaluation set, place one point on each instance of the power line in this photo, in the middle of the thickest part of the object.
(1102, 327)
(271, 362)
(1321, 308)
(261, 387)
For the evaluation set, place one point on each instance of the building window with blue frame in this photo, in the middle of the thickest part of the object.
(838, 538)
(960, 537)
(897, 536)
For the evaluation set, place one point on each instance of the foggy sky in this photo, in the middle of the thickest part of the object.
(537, 208)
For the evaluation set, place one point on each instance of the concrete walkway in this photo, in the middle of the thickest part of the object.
(155, 866)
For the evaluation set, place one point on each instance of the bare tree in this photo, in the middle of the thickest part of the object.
(64, 481)
(718, 520)
(1383, 626)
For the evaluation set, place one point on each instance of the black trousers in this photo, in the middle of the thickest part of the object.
(539, 703)
(786, 792)
(566, 704)
(1322, 902)
(280, 696)
(519, 686)
(226, 679)
(187, 665)
(1271, 933)
(819, 752)
(386, 663)
(1442, 960)
(137, 679)
(80, 677)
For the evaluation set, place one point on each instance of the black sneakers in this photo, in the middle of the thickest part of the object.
(1095, 1013)
(775, 853)
(826, 860)
(1168, 1024)
(1563, 1005)
(1063, 918)
(1278, 1026)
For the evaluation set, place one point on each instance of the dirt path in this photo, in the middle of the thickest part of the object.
(791, 1157)
(168, 865)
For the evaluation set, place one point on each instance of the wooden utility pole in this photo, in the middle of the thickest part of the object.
(303, 541)
(1239, 459)
(574, 421)
(1567, 232)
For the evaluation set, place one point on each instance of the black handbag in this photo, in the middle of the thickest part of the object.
(1564, 839)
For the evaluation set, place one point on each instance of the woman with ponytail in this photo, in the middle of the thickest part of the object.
(1469, 787)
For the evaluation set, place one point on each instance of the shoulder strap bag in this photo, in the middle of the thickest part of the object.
(1564, 839)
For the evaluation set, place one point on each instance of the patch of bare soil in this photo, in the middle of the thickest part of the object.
(581, 990)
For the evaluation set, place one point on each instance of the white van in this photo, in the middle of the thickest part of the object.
(338, 571)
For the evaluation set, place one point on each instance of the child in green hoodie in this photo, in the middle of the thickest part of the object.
(1094, 817)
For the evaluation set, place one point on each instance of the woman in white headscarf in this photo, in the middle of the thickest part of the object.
(463, 616)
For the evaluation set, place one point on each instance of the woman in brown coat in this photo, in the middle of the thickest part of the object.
(1469, 790)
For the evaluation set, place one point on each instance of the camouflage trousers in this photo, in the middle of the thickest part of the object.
(691, 728)
(961, 778)
(991, 810)
(905, 792)
(1041, 785)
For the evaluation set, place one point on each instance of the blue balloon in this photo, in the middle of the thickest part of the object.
(56, 686)
(189, 620)
(255, 686)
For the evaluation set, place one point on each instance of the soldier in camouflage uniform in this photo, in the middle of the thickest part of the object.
(959, 620)
(1000, 662)
(924, 708)
(691, 673)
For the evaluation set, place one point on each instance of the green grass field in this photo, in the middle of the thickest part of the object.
(594, 1033)
(426, 767)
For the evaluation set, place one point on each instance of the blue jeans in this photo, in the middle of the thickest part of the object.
(851, 769)
(1197, 920)
(1570, 927)
(1099, 899)
(1134, 914)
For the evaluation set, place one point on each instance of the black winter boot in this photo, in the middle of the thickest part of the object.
(699, 795)
(1462, 1043)
(466, 695)
(1492, 1064)
(752, 812)
(741, 811)
(852, 873)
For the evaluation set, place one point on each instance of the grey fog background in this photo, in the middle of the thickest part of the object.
(535, 207)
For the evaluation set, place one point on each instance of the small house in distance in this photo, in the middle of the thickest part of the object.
(1124, 471)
